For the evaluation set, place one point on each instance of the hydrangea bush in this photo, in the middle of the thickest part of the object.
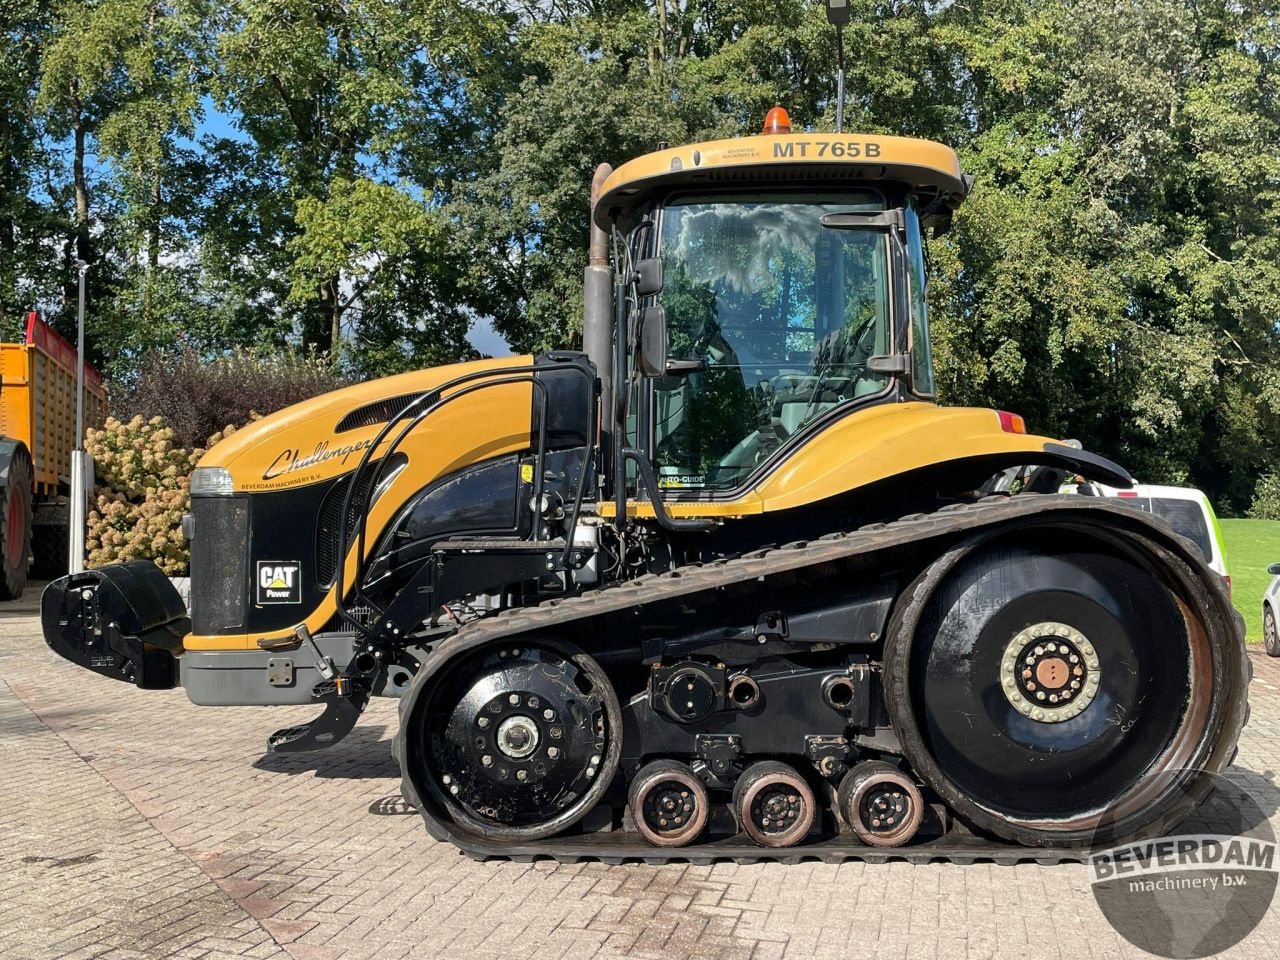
(143, 489)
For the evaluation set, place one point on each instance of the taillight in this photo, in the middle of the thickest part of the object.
(1011, 422)
(1127, 493)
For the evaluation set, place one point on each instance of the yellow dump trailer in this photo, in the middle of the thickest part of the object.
(37, 435)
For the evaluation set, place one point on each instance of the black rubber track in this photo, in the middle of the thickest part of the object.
(948, 528)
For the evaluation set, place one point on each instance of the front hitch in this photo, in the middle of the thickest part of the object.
(125, 621)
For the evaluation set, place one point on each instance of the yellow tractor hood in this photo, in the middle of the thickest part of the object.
(326, 436)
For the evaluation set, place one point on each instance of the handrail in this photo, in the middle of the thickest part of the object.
(645, 469)
(430, 402)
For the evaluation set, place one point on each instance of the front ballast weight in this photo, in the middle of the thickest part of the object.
(554, 732)
(125, 621)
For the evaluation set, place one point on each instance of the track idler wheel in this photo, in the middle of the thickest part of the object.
(881, 804)
(774, 804)
(520, 742)
(668, 804)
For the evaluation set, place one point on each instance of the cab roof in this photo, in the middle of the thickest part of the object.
(928, 168)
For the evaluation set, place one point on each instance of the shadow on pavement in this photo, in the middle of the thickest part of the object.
(362, 755)
(27, 605)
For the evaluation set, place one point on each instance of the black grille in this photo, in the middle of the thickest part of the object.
(380, 411)
(219, 559)
(327, 534)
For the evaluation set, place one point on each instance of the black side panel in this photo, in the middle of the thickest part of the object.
(483, 499)
(570, 400)
(219, 557)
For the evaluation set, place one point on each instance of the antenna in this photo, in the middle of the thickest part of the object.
(838, 15)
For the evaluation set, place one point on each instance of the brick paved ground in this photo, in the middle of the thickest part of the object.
(139, 826)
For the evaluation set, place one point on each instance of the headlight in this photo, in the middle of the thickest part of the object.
(210, 482)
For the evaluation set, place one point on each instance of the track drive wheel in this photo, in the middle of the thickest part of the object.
(1058, 691)
(881, 804)
(15, 525)
(517, 742)
(668, 803)
(774, 804)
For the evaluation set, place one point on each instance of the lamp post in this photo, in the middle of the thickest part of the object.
(838, 15)
(81, 470)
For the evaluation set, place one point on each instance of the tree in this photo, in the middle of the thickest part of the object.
(29, 227)
(325, 91)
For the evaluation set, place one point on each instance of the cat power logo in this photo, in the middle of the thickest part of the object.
(279, 581)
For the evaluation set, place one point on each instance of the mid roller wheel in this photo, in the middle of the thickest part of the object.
(668, 804)
(881, 804)
(774, 804)
(518, 743)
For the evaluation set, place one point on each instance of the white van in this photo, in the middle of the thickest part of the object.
(1186, 509)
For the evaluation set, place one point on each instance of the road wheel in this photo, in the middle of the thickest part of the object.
(880, 803)
(668, 804)
(1269, 638)
(15, 525)
(1052, 695)
(774, 804)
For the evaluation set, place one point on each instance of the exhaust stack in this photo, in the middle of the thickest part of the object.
(597, 315)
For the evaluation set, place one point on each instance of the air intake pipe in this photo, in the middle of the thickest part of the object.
(597, 315)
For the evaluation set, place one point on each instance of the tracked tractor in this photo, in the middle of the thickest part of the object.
(727, 583)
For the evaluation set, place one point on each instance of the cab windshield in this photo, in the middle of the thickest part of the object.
(783, 312)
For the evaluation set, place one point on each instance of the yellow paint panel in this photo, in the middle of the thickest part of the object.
(300, 445)
(874, 444)
(885, 441)
(842, 157)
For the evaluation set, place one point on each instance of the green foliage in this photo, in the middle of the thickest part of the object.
(379, 174)
(1266, 499)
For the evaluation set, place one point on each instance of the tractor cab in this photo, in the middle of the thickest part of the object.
(770, 285)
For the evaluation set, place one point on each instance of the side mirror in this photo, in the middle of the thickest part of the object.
(651, 342)
(1274, 569)
(649, 277)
